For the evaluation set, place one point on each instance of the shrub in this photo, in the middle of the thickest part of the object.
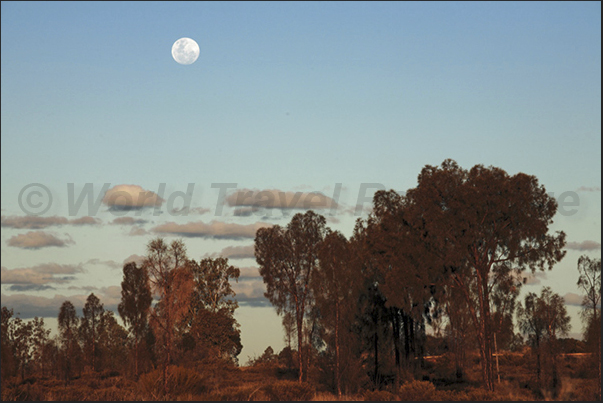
(379, 396)
(288, 390)
(181, 381)
(417, 390)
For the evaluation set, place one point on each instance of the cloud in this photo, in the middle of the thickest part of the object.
(588, 189)
(128, 221)
(41, 274)
(281, 200)
(573, 299)
(583, 246)
(134, 258)
(250, 273)
(215, 229)
(29, 287)
(109, 263)
(194, 210)
(137, 230)
(533, 278)
(235, 252)
(36, 222)
(131, 197)
(251, 293)
(245, 211)
(87, 220)
(365, 209)
(37, 240)
(28, 305)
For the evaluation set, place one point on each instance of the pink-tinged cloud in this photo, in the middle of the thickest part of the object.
(128, 197)
(135, 259)
(137, 231)
(250, 273)
(36, 222)
(215, 229)
(573, 299)
(583, 246)
(40, 274)
(250, 292)
(37, 240)
(128, 221)
(589, 189)
(28, 305)
(192, 211)
(273, 198)
(235, 252)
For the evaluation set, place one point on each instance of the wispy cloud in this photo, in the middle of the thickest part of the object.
(583, 246)
(131, 197)
(251, 293)
(128, 221)
(28, 305)
(36, 222)
(234, 252)
(41, 274)
(215, 229)
(573, 299)
(37, 240)
(588, 189)
(137, 231)
(273, 198)
(192, 211)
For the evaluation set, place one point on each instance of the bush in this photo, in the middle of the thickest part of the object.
(379, 396)
(417, 390)
(181, 381)
(288, 390)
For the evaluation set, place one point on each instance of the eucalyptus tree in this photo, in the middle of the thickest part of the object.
(90, 326)
(477, 227)
(288, 257)
(136, 299)
(210, 320)
(543, 318)
(172, 281)
(589, 282)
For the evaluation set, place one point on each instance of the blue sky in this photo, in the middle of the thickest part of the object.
(285, 97)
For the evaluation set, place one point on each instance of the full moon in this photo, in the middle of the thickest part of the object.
(185, 51)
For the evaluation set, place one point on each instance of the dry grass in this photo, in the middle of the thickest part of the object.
(273, 383)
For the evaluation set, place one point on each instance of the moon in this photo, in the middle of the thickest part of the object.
(185, 51)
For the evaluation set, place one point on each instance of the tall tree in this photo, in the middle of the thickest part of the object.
(477, 227)
(210, 320)
(68, 328)
(112, 342)
(287, 258)
(542, 318)
(408, 285)
(136, 299)
(90, 326)
(171, 279)
(589, 282)
(332, 290)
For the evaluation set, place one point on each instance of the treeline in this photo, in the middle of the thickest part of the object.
(451, 253)
(177, 312)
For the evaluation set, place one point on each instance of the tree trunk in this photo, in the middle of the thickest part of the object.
(136, 358)
(486, 339)
(376, 360)
(337, 374)
(300, 340)
(396, 333)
